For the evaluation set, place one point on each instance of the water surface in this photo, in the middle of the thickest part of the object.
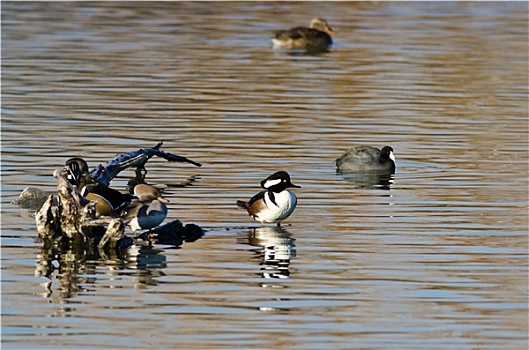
(435, 257)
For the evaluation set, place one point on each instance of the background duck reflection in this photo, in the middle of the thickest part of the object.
(370, 180)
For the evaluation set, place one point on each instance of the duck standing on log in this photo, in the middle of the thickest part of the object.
(94, 184)
(147, 211)
(85, 199)
(108, 199)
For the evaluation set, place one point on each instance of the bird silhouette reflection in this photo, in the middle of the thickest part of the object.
(369, 180)
(277, 249)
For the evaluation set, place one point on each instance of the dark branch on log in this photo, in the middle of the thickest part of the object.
(137, 159)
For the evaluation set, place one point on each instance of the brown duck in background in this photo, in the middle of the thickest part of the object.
(317, 37)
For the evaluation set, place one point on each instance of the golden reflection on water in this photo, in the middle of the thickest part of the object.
(433, 256)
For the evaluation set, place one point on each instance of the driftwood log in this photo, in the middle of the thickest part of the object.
(74, 218)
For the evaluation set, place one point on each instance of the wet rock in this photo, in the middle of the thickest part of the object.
(32, 198)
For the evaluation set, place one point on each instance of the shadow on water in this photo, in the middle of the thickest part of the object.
(140, 176)
(276, 249)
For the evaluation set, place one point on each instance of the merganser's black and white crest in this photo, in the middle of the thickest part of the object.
(275, 203)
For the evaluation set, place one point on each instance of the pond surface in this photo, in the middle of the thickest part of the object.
(436, 257)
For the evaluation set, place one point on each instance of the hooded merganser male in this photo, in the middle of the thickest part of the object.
(108, 199)
(275, 203)
(367, 158)
(147, 211)
(315, 37)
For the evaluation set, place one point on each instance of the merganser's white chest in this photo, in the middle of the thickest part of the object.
(279, 206)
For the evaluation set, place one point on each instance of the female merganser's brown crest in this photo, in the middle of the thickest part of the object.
(148, 211)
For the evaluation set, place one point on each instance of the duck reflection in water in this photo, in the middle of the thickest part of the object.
(277, 248)
(76, 267)
(370, 180)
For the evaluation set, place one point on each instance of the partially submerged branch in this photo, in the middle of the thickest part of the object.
(75, 219)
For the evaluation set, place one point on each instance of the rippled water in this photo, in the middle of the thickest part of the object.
(435, 257)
